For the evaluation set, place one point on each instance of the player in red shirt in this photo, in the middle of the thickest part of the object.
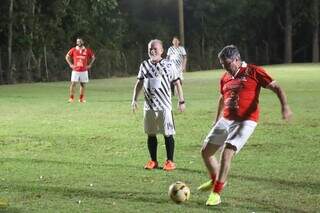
(237, 116)
(80, 60)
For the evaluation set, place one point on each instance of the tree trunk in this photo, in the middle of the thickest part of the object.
(124, 59)
(288, 33)
(315, 33)
(45, 61)
(181, 22)
(10, 35)
(267, 55)
(1, 70)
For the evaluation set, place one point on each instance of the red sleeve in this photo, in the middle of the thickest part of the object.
(91, 54)
(70, 53)
(263, 77)
(222, 83)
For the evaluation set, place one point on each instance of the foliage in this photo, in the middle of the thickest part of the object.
(118, 31)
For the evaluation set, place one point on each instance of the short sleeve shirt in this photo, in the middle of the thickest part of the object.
(176, 54)
(157, 78)
(80, 57)
(241, 92)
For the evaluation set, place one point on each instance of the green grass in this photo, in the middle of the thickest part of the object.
(102, 143)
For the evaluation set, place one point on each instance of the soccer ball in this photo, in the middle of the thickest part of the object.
(179, 192)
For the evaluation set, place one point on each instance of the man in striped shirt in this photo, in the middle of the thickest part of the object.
(178, 55)
(155, 76)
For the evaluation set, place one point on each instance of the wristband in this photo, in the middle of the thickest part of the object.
(181, 102)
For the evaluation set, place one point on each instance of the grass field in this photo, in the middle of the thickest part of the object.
(54, 154)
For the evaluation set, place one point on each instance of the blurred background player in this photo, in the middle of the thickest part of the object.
(80, 60)
(237, 116)
(155, 76)
(178, 55)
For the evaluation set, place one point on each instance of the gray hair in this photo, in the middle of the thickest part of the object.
(154, 41)
(229, 52)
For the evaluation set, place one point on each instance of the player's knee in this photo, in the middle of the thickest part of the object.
(228, 152)
(204, 152)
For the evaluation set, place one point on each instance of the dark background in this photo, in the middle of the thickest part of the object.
(35, 35)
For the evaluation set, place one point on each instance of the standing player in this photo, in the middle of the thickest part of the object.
(155, 76)
(80, 60)
(237, 116)
(178, 55)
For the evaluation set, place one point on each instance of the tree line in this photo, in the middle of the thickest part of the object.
(36, 34)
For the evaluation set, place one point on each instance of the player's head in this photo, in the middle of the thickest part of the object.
(175, 41)
(155, 49)
(229, 58)
(79, 42)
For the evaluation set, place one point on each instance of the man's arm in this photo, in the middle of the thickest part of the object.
(285, 109)
(68, 59)
(93, 58)
(181, 103)
(220, 108)
(184, 63)
(136, 91)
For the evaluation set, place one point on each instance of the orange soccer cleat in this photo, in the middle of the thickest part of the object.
(169, 165)
(151, 165)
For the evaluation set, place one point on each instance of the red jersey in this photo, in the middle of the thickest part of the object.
(80, 58)
(241, 92)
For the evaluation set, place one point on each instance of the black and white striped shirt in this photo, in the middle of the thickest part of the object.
(176, 55)
(156, 83)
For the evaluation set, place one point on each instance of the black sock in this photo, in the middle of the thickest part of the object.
(152, 146)
(169, 141)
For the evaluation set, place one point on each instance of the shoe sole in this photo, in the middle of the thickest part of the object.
(213, 204)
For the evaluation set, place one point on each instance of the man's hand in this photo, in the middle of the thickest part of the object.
(286, 113)
(134, 106)
(71, 66)
(89, 66)
(181, 106)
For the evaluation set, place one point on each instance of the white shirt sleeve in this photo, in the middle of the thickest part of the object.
(183, 51)
(140, 73)
(169, 53)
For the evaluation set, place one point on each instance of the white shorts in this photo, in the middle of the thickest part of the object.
(158, 122)
(80, 76)
(180, 72)
(233, 132)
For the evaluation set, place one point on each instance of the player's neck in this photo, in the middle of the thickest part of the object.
(80, 47)
(155, 60)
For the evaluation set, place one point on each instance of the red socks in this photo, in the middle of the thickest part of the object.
(81, 97)
(218, 186)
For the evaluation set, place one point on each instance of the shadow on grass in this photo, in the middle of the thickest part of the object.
(10, 210)
(68, 163)
(128, 196)
(90, 164)
(282, 182)
(262, 206)
(303, 185)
